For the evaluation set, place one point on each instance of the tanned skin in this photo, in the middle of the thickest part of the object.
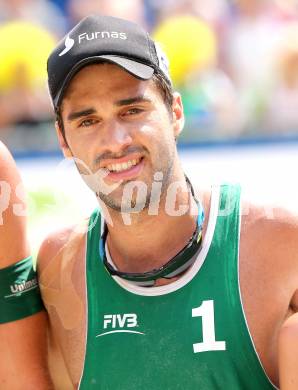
(23, 353)
(288, 359)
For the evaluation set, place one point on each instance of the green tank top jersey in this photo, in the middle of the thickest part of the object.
(190, 334)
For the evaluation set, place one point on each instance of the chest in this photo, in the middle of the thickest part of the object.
(192, 326)
(199, 326)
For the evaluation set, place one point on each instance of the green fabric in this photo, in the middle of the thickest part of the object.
(19, 291)
(160, 354)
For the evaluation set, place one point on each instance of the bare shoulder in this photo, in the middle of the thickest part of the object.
(61, 272)
(12, 211)
(66, 241)
(269, 240)
(268, 271)
(8, 169)
(277, 220)
(60, 253)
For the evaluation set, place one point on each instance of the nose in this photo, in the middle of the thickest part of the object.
(117, 137)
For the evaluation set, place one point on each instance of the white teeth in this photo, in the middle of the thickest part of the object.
(123, 166)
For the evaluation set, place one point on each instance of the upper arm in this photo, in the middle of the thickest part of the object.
(23, 354)
(58, 264)
(269, 239)
(288, 335)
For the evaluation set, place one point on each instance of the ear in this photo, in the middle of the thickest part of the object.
(178, 114)
(62, 142)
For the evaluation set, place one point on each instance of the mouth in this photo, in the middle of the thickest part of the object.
(124, 170)
(121, 167)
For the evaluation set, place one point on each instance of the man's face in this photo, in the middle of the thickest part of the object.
(119, 125)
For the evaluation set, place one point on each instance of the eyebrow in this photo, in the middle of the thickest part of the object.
(78, 114)
(136, 99)
(123, 102)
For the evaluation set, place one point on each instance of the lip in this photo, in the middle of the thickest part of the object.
(130, 173)
(125, 159)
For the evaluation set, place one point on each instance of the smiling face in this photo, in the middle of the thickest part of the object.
(119, 124)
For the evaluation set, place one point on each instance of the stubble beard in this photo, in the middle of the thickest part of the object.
(144, 199)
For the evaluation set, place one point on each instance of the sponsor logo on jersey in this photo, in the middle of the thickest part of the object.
(69, 42)
(120, 323)
(22, 287)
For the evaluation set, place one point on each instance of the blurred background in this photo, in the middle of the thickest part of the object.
(235, 63)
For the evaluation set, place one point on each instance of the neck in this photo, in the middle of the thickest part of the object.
(149, 241)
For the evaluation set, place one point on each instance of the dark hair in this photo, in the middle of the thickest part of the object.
(165, 89)
(159, 80)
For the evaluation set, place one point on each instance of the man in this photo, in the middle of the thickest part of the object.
(150, 294)
(23, 359)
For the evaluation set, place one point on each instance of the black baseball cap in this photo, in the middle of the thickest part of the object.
(99, 38)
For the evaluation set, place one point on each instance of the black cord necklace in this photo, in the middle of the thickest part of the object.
(173, 267)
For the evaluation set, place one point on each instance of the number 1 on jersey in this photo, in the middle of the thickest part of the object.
(206, 311)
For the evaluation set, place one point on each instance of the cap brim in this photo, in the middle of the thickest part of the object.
(136, 69)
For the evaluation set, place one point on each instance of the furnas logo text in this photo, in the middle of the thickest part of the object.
(101, 35)
(120, 321)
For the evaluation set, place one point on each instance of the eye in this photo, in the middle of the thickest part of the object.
(134, 111)
(88, 122)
